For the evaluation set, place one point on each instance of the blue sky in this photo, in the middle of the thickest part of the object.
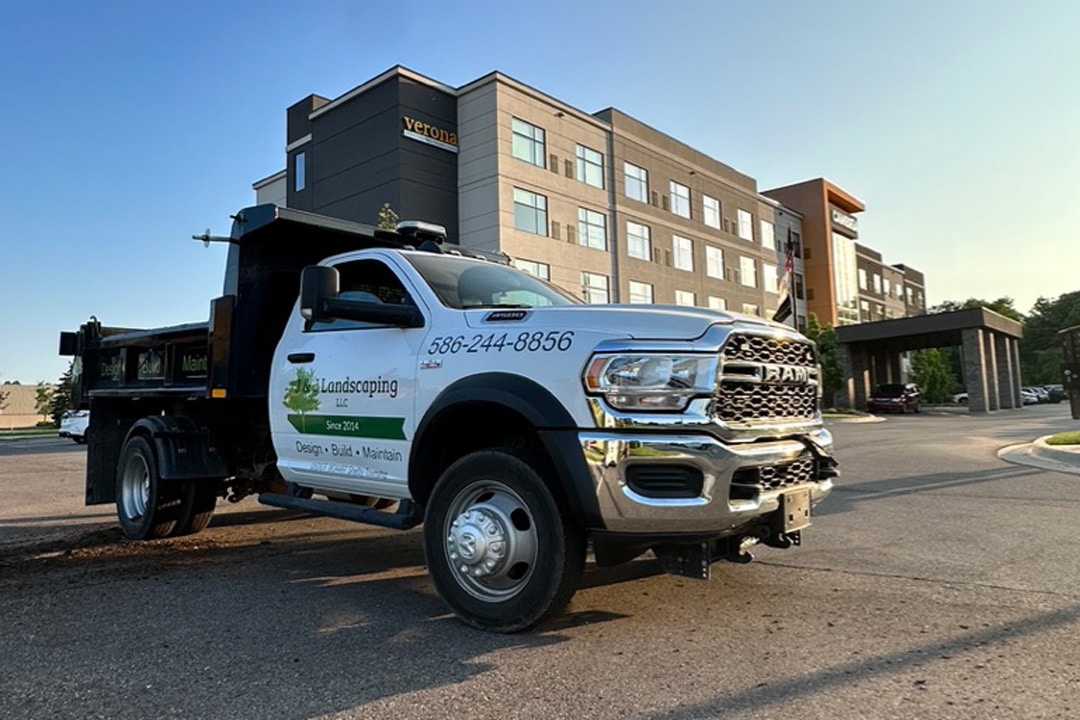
(129, 126)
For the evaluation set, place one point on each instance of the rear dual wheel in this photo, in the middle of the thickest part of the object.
(149, 508)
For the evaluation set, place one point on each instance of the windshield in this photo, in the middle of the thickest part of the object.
(889, 390)
(462, 283)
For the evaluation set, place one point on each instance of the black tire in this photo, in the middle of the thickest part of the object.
(79, 440)
(146, 507)
(917, 408)
(197, 509)
(498, 494)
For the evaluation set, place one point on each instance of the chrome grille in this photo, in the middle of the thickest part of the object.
(759, 349)
(777, 477)
(766, 381)
(740, 403)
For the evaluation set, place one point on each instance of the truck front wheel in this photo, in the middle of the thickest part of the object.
(147, 508)
(501, 550)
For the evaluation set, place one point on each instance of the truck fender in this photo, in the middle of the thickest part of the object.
(554, 426)
(183, 450)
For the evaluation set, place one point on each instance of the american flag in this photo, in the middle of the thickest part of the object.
(787, 301)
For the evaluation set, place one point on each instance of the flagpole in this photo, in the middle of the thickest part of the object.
(789, 267)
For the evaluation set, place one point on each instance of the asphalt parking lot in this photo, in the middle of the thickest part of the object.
(938, 581)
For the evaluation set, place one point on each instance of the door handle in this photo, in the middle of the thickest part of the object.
(300, 358)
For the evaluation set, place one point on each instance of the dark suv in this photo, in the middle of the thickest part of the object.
(894, 397)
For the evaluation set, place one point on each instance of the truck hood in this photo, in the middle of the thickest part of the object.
(639, 322)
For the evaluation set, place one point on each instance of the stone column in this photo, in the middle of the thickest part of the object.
(974, 369)
(990, 347)
(895, 375)
(1015, 344)
(860, 367)
(1007, 387)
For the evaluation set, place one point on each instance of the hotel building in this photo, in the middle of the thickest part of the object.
(601, 204)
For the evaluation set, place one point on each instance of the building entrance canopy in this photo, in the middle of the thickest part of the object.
(869, 354)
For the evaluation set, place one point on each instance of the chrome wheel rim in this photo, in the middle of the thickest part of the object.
(135, 488)
(490, 542)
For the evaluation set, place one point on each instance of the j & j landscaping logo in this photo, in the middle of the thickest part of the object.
(302, 397)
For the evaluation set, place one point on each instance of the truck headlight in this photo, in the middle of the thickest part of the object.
(646, 381)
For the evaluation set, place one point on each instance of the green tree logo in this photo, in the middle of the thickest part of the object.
(302, 395)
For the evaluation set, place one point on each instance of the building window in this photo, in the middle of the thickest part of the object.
(637, 241)
(746, 225)
(640, 293)
(796, 240)
(594, 288)
(845, 292)
(680, 199)
(536, 269)
(862, 279)
(864, 310)
(747, 271)
(684, 253)
(528, 141)
(592, 229)
(590, 166)
(712, 212)
(717, 303)
(530, 212)
(750, 309)
(682, 297)
(877, 283)
(800, 291)
(714, 262)
(637, 182)
(769, 277)
(300, 171)
(886, 287)
(768, 235)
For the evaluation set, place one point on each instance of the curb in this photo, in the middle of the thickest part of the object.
(1039, 454)
(1057, 453)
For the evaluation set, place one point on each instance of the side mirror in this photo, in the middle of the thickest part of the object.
(320, 300)
(318, 284)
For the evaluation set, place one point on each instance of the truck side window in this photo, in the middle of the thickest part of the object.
(364, 281)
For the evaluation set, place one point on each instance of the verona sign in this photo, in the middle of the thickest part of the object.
(429, 134)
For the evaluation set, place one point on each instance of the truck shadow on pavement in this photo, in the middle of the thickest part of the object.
(323, 620)
(834, 679)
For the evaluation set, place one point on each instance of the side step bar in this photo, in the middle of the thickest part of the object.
(406, 516)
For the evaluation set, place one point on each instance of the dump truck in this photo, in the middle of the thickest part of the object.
(389, 377)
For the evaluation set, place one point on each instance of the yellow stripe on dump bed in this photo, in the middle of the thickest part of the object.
(217, 392)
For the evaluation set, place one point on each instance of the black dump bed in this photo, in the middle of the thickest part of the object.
(229, 355)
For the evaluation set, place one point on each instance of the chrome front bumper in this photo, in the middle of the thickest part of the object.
(609, 455)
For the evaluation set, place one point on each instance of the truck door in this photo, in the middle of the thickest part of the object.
(343, 396)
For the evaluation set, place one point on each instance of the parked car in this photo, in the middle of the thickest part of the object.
(895, 397)
(1028, 396)
(960, 398)
(73, 425)
(1056, 393)
(1040, 393)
